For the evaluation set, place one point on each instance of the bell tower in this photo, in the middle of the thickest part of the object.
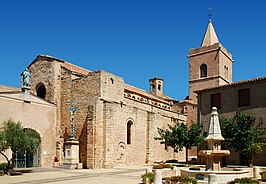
(210, 65)
(156, 86)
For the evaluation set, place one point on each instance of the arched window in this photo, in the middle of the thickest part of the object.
(159, 87)
(153, 88)
(203, 70)
(41, 91)
(129, 131)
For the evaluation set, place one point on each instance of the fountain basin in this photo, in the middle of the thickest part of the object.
(222, 176)
(213, 158)
(214, 153)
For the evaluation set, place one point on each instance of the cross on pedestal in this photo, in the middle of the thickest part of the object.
(72, 111)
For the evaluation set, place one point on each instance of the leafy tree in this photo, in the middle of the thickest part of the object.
(180, 136)
(15, 137)
(241, 134)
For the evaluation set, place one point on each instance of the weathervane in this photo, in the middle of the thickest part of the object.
(210, 14)
(72, 111)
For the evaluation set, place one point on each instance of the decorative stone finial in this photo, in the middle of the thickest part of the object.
(214, 132)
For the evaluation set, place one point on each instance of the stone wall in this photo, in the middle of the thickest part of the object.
(107, 128)
(38, 115)
(84, 91)
(105, 109)
(46, 72)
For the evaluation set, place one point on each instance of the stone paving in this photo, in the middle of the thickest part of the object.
(120, 175)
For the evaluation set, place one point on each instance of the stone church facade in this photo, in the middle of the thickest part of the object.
(116, 123)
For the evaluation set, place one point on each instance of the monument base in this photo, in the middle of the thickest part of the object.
(71, 153)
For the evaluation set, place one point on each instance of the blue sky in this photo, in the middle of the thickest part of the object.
(134, 39)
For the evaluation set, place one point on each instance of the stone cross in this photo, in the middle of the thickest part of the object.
(72, 111)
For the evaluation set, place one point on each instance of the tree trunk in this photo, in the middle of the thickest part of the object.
(245, 159)
(186, 155)
(6, 170)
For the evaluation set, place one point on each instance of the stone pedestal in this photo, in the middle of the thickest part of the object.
(212, 179)
(256, 172)
(158, 177)
(72, 152)
(26, 91)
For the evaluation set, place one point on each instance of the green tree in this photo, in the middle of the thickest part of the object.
(180, 136)
(241, 134)
(15, 137)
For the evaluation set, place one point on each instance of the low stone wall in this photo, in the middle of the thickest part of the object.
(167, 172)
(222, 176)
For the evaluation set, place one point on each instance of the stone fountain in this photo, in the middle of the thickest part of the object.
(214, 172)
(214, 154)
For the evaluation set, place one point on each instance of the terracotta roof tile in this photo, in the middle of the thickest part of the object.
(146, 94)
(76, 69)
(69, 66)
(237, 83)
(187, 102)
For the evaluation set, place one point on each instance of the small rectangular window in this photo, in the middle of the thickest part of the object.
(243, 97)
(216, 100)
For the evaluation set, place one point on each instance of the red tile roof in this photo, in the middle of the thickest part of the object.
(237, 83)
(76, 69)
(187, 102)
(146, 94)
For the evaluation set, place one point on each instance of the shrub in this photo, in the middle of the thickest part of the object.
(172, 161)
(263, 175)
(161, 166)
(157, 167)
(243, 181)
(171, 166)
(149, 176)
(56, 159)
(3, 166)
(180, 179)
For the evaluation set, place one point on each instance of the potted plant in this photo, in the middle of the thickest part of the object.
(148, 178)
(263, 175)
(56, 161)
(180, 180)
(243, 181)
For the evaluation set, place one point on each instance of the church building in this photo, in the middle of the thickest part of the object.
(115, 123)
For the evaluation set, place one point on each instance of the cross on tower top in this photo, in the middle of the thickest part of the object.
(210, 14)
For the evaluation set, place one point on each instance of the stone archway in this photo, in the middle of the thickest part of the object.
(121, 157)
(26, 159)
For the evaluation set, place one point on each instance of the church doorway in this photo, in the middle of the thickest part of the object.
(25, 159)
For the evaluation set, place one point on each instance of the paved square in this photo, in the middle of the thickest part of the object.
(121, 175)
